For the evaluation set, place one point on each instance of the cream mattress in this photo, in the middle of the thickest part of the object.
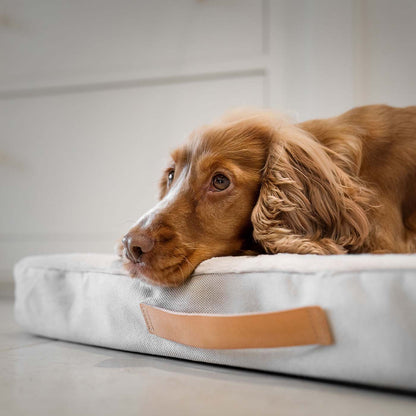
(369, 300)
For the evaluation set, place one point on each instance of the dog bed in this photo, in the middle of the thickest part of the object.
(349, 318)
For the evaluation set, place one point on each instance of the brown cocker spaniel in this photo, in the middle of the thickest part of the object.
(256, 183)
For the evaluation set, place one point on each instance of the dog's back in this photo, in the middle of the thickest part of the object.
(378, 143)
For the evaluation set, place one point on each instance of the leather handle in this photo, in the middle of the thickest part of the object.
(302, 326)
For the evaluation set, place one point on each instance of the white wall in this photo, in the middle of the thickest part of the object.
(94, 94)
(330, 55)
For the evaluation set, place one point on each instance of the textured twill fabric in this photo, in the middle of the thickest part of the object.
(370, 301)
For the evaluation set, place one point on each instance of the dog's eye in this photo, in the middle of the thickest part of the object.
(220, 182)
(171, 175)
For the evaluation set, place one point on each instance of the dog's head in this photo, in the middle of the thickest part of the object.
(251, 182)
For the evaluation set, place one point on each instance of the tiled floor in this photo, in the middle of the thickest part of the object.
(40, 376)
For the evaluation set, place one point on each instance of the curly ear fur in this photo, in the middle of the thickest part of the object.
(307, 202)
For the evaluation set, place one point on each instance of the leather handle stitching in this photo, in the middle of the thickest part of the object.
(147, 319)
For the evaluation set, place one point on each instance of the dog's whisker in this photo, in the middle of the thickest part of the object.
(183, 275)
(187, 260)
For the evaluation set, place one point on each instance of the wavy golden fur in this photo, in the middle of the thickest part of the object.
(341, 185)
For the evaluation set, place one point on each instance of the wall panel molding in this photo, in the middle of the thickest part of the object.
(171, 75)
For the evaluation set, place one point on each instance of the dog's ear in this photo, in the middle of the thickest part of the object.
(307, 203)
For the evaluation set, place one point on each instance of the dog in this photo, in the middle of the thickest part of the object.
(256, 183)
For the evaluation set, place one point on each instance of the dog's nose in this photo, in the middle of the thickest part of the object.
(136, 244)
